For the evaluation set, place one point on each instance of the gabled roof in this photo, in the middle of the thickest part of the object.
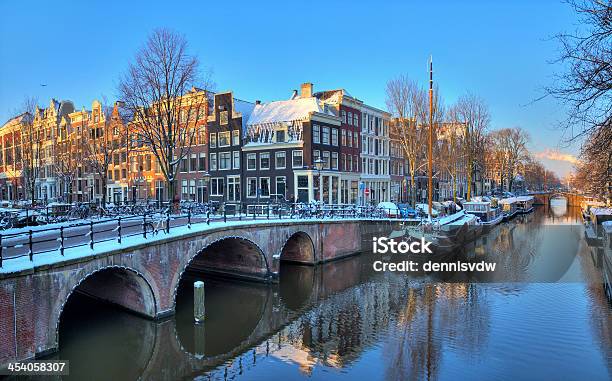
(298, 109)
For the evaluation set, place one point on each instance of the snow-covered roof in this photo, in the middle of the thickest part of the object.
(601, 211)
(298, 109)
(245, 108)
(524, 198)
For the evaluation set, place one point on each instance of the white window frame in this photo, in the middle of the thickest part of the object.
(212, 162)
(212, 143)
(278, 154)
(251, 155)
(226, 157)
(261, 188)
(316, 134)
(236, 137)
(229, 139)
(261, 156)
(249, 180)
(301, 155)
(325, 133)
(236, 159)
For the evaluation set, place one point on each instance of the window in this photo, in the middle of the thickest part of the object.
(193, 163)
(192, 190)
(334, 162)
(302, 188)
(264, 186)
(325, 159)
(343, 163)
(251, 186)
(281, 160)
(264, 160)
(213, 161)
(350, 139)
(316, 154)
(350, 118)
(213, 140)
(349, 165)
(355, 120)
(343, 113)
(202, 162)
(217, 184)
(236, 159)
(297, 161)
(343, 137)
(334, 136)
(233, 188)
(225, 160)
(356, 140)
(184, 165)
(251, 161)
(184, 190)
(281, 182)
(236, 137)
(224, 139)
(325, 137)
(124, 173)
(280, 136)
(316, 134)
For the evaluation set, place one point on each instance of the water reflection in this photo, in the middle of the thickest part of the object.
(343, 320)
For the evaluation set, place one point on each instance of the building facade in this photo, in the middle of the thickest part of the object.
(375, 159)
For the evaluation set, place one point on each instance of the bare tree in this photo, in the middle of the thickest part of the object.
(594, 171)
(585, 86)
(511, 150)
(474, 112)
(69, 153)
(408, 103)
(159, 92)
(30, 147)
(107, 137)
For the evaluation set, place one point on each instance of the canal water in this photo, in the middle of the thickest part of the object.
(542, 315)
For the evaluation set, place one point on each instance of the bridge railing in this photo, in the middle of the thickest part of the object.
(37, 240)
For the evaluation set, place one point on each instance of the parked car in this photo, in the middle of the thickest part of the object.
(407, 211)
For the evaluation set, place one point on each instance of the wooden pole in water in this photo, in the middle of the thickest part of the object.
(429, 150)
(199, 308)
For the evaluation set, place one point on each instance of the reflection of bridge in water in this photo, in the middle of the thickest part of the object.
(243, 321)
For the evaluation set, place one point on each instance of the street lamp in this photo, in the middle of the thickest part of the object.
(206, 178)
(318, 165)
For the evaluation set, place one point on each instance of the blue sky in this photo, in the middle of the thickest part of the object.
(263, 50)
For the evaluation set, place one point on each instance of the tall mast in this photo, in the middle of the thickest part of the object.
(429, 151)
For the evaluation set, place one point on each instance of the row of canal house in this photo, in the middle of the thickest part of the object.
(264, 151)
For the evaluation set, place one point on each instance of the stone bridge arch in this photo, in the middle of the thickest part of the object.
(220, 252)
(120, 285)
(299, 247)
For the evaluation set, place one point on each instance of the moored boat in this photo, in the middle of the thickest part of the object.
(587, 204)
(509, 207)
(524, 204)
(489, 213)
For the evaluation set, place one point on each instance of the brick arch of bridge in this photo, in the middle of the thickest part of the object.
(298, 247)
(217, 244)
(127, 287)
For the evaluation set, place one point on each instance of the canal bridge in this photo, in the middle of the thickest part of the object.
(543, 198)
(143, 275)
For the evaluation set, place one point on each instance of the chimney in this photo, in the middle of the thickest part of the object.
(258, 102)
(306, 90)
(293, 95)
